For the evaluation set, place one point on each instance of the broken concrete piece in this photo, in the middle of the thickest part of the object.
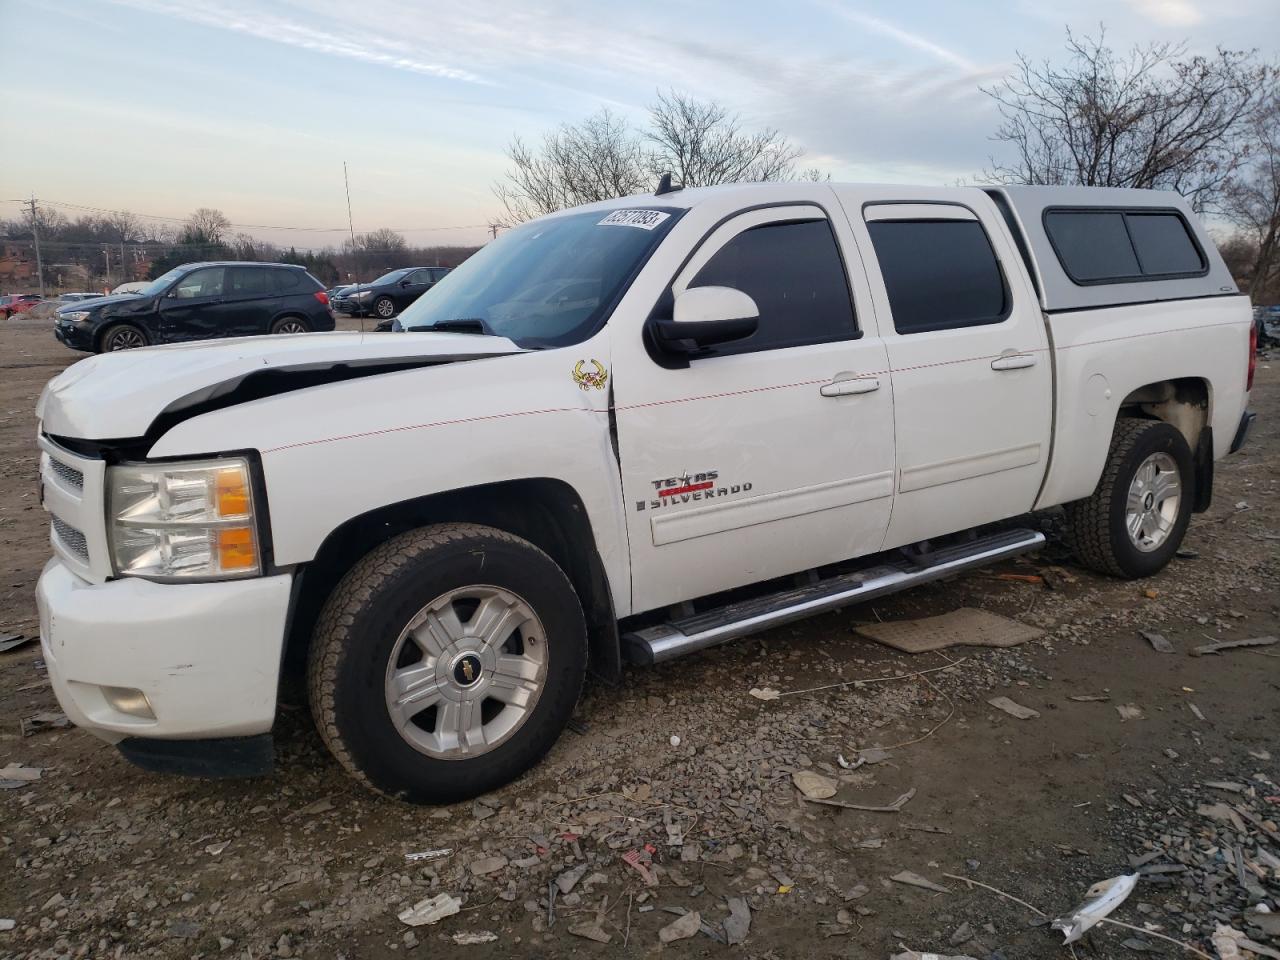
(912, 955)
(1013, 709)
(915, 880)
(1233, 644)
(1099, 901)
(1129, 711)
(764, 693)
(487, 865)
(814, 785)
(682, 928)
(966, 626)
(738, 923)
(569, 879)
(466, 938)
(1158, 643)
(430, 910)
(1222, 813)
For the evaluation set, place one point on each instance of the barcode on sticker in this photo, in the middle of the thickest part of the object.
(644, 219)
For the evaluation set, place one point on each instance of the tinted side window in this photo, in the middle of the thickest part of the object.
(1163, 243)
(940, 274)
(1092, 245)
(290, 281)
(249, 282)
(794, 274)
(200, 283)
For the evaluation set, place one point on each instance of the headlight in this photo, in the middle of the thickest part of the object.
(362, 294)
(183, 520)
(75, 316)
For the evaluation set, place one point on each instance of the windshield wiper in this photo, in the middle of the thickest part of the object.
(458, 325)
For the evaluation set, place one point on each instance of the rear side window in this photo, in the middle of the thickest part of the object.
(794, 273)
(249, 282)
(939, 274)
(1122, 246)
(293, 281)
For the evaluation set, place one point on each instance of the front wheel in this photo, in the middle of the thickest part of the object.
(384, 307)
(1135, 520)
(447, 662)
(123, 336)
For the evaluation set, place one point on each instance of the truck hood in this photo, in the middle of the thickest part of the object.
(133, 394)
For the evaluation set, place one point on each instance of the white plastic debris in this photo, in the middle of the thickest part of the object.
(764, 693)
(675, 741)
(430, 910)
(1099, 901)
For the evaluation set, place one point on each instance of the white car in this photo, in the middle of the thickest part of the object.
(739, 384)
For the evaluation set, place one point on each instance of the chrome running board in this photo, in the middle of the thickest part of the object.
(666, 641)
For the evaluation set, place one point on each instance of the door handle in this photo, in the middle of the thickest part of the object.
(1013, 361)
(850, 387)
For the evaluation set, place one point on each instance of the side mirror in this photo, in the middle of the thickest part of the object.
(706, 316)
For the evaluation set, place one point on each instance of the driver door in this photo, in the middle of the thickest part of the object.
(768, 455)
(189, 310)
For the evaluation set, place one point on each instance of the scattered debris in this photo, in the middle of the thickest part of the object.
(427, 856)
(1130, 711)
(593, 929)
(323, 805)
(7, 924)
(1013, 709)
(569, 879)
(964, 627)
(764, 693)
(1158, 643)
(632, 859)
(675, 740)
(1234, 644)
(915, 880)
(15, 776)
(850, 766)
(215, 849)
(814, 785)
(894, 807)
(430, 910)
(1223, 814)
(1090, 698)
(43, 721)
(682, 928)
(11, 641)
(913, 955)
(1099, 901)
(484, 866)
(480, 936)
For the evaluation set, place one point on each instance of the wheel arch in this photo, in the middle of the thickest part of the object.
(1185, 403)
(100, 335)
(547, 512)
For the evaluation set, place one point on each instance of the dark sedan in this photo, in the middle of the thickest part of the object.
(200, 301)
(389, 294)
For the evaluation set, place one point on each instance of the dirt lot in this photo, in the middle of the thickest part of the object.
(101, 859)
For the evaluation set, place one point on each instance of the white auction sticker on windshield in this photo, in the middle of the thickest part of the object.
(644, 219)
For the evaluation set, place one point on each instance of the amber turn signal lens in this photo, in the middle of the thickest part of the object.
(236, 549)
(232, 493)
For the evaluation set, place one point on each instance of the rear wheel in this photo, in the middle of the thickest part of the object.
(447, 662)
(123, 336)
(384, 307)
(290, 325)
(1136, 519)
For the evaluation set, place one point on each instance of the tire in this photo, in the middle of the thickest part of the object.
(123, 336)
(362, 649)
(291, 325)
(1099, 528)
(384, 307)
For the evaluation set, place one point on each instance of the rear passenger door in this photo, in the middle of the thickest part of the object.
(249, 302)
(768, 455)
(972, 374)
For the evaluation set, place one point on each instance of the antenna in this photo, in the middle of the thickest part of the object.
(664, 186)
(355, 250)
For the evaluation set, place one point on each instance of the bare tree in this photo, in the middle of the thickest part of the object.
(1251, 202)
(1154, 117)
(123, 227)
(382, 240)
(701, 143)
(597, 159)
(205, 226)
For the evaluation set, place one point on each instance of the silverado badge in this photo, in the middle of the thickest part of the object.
(585, 380)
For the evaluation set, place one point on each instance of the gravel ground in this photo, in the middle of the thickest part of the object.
(674, 794)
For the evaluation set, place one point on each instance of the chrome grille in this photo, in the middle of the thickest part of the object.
(71, 538)
(70, 476)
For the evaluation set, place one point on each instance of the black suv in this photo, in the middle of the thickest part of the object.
(200, 301)
(389, 294)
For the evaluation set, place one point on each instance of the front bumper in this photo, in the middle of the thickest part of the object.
(350, 308)
(72, 336)
(206, 655)
(1242, 432)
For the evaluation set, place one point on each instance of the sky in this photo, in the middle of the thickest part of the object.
(162, 106)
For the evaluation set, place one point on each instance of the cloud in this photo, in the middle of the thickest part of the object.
(908, 39)
(1169, 13)
(277, 29)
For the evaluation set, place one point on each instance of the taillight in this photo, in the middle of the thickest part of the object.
(322, 297)
(1253, 356)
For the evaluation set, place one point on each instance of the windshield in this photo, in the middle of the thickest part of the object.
(548, 283)
(391, 277)
(161, 283)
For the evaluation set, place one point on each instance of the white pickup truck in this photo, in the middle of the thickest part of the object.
(596, 428)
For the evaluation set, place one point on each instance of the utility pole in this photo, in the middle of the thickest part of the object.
(106, 256)
(35, 232)
(493, 230)
(124, 268)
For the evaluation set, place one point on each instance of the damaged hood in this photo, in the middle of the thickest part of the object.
(123, 394)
